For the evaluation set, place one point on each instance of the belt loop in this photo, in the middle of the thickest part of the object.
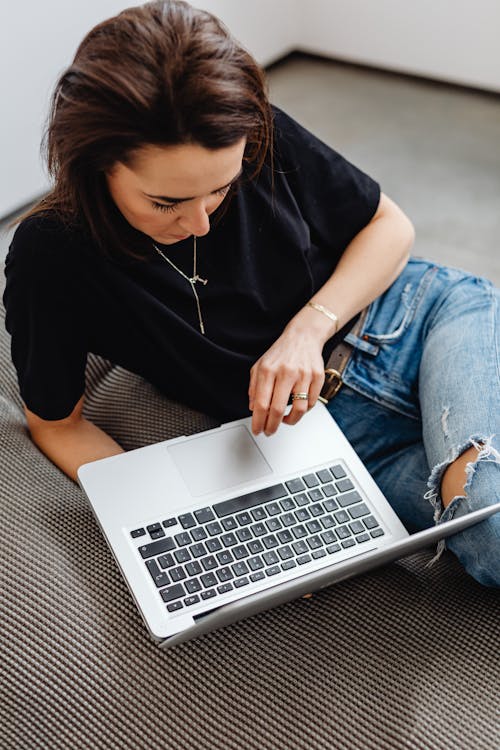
(337, 362)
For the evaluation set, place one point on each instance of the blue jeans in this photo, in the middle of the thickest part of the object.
(422, 386)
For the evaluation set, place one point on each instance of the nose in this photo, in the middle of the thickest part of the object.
(195, 218)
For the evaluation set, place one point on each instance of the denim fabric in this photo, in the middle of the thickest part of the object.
(422, 386)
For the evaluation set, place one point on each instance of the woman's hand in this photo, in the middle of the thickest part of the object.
(293, 364)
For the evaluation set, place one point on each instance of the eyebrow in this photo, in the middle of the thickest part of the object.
(181, 200)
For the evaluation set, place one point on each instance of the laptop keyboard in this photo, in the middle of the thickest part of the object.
(255, 536)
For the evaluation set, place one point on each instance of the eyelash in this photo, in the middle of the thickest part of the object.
(172, 206)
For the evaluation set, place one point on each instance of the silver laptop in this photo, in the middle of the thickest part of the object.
(215, 527)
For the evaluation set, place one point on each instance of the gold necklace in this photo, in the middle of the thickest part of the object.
(192, 280)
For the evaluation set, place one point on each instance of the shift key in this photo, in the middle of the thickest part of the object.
(172, 592)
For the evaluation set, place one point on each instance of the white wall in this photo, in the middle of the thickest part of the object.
(454, 40)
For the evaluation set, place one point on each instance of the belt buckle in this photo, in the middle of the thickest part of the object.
(331, 374)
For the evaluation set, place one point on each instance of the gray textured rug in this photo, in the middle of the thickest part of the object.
(404, 657)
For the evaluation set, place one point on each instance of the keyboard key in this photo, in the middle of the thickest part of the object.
(209, 594)
(270, 558)
(303, 559)
(314, 526)
(356, 527)
(348, 499)
(191, 600)
(310, 480)
(258, 529)
(187, 520)
(362, 538)
(370, 522)
(244, 519)
(288, 519)
(273, 509)
(295, 485)
(287, 503)
(255, 563)
(330, 504)
(155, 528)
(327, 522)
(288, 564)
(177, 574)
(257, 576)
(239, 569)
(137, 532)
(198, 550)
(225, 557)
(258, 514)
(198, 534)
(343, 532)
(329, 490)
(285, 536)
(273, 571)
(229, 523)
(240, 551)
(269, 541)
(324, 476)
(172, 592)
(315, 495)
(156, 548)
(182, 555)
(224, 574)
(333, 548)
(358, 510)
(318, 553)
(228, 540)
(377, 532)
(302, 514)
(285, 552)
(314, 542)
(241, 582)
(225, 588)
(342, 516)
(338, 472)
(255, 546)
(244, 535)
(175, 605)
(192, 585)
(300, 547)
(183, 538)
(208, 579)
(344, 485)
(213, 545)
(214, 528)
(299, 531)
(204, 515)
(193, 568)
(316, 509)
(166, 561)
(348, 542)
(302, 499)
(273, 524)
(169, 522)
(250, 500)
(209, 563)
(328, 537)
(160, 579)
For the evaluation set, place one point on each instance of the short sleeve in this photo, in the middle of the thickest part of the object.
(47, 345)
(335, 198)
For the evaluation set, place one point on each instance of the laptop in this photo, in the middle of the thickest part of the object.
(217, 526)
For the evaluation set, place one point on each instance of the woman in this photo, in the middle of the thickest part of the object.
(203, 239)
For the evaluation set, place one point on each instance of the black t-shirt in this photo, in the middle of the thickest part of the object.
(272, 250)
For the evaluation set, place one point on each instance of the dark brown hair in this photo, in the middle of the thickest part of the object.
(163, 73)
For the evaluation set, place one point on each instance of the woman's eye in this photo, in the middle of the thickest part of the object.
(224, 190)
(164, 206)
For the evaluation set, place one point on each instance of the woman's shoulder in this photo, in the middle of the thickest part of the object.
(41, 237)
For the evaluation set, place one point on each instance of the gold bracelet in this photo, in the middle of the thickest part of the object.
(325, 311)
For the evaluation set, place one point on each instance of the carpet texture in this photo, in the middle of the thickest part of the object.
(404, 657)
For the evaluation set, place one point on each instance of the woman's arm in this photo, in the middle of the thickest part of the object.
(72, 441)
(368, 266)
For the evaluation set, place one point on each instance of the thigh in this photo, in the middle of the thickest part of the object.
(390, 446)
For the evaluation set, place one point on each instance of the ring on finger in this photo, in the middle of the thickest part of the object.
(300, 397)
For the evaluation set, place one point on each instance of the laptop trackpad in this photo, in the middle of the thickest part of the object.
(214, 462)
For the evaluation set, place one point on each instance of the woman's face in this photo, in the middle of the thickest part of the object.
(168, 192)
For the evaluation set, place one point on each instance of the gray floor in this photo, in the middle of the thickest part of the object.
(433, 148)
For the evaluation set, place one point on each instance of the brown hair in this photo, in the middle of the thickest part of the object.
(163, 73)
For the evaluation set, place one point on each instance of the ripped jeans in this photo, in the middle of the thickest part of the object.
(422, 386)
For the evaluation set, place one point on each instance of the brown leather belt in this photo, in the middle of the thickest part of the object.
(337, 362)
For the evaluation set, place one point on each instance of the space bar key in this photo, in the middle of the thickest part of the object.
(243, 502)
